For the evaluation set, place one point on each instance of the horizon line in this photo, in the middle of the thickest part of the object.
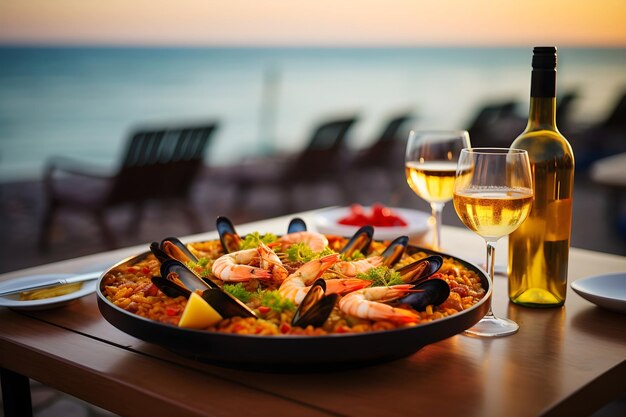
(134, 45)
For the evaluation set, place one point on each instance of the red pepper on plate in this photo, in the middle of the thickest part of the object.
(381, 216)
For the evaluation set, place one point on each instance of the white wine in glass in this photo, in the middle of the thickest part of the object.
(493, 195)
(430, 168)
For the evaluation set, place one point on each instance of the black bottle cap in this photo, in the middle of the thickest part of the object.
(544, 57)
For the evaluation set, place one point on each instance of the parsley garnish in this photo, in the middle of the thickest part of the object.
(252, 240)
(381, 275)
(301, 252)
(238, 291)
(202, 267)
(275, 301)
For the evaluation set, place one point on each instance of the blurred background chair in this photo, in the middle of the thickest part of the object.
(322, 161)
(380, 166)
(158, 165)
(496, 124)
(603, 139)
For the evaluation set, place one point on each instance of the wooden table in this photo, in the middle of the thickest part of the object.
(564, 361)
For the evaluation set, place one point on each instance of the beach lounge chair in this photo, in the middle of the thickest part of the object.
(159, 164)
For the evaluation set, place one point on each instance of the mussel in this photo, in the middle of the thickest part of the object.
(170, 288)
(394, 251)
(228, 235)
(420, 270)
(315, 307)
(172, 248)
(430, 292)
(360, 241)
(296, 225)
(176, 280)
(186, 277)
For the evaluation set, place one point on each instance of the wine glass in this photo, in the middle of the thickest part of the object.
(493, 194)
(430, 165)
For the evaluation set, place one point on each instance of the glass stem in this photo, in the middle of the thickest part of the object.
(491, 256)
(437, 209)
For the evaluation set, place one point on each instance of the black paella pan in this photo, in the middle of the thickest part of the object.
(307, 352)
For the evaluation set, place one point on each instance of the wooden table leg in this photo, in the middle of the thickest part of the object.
(15, 394)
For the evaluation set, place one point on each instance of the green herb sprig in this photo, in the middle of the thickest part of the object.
(254, 239)
(301, 252)
(275, 301)
(238, 291)
(382, 276)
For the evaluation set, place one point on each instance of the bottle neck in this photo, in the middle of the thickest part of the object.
(542, 113)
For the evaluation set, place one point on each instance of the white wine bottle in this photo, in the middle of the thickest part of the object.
(539, 248)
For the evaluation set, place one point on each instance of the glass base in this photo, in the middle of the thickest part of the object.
(491, 326)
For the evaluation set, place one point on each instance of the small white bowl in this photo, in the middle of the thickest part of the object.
(417, 223)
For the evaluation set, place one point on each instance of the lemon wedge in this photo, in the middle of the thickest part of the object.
(198, 314)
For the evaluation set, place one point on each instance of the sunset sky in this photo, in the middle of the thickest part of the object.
(319, 22)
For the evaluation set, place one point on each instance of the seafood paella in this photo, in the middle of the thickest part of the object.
(299, 283)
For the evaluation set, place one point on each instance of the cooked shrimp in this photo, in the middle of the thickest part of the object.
(316, 241)
(296, 285)
(368, 304)
(271, 262)
(234, 266)
(345, 285)
(352, 268)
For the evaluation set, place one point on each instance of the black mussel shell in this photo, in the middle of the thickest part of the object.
(431, 292)
(393, 253)
(228, 235)
(360, 241)
(296, 225)
(420, 270)
(155, 248)
(176, 249)
(170, 288)
(188, 278)
(315, 307)
(226, 304)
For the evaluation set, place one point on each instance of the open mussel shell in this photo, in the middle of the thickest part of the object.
(315, 307)
(228, 235)
(155, 248)
(393, 253)
(296, 225)
(177, 250)
(420, 270)
(226, 304)
(172, 248)
(430, 292)
(360, 241)
(170, 288)
(186, 276)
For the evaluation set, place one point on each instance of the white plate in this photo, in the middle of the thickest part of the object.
(417, 223)
(608, 291)
(13, 301)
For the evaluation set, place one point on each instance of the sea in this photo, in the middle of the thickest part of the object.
(84, 102)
